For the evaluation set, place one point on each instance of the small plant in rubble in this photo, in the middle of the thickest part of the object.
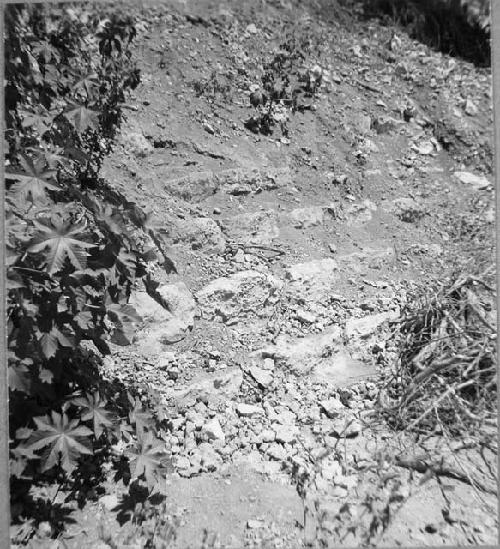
(287, 86)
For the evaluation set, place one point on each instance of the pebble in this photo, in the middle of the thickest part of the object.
(332, 407)
(213, 430)
(249, 410)
(285, 433)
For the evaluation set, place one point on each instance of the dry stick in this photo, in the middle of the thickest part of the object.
(434, 404)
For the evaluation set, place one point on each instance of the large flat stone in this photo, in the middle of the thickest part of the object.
(236, 296)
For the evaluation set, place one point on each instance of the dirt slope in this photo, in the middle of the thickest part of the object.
(293, 255)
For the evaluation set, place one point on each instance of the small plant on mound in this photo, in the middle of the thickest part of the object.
(287, 85)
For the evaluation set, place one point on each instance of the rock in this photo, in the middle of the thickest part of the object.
(277, 452)
(470, 108)
(136, 143)
(312, 269)
(201, 233)
(239, 256)
(267, 435)
(249, 410)
(332, 407)
(252, 524)
(209, 458)
(285, 433)
(331, 470)
(251, 28)
(305, 316)
(213, 430)
(347, 428)
(268, 364)
(237, 295)
(304, 218)
(477, 182)
(303, 354)
(219, 386)
(183, 463)
(262, 377)
(193, 187)
(259, 228)
(164, 325)
(366, 326)
(360, 213)
(109, 502)
(179, 301)
(312, 281)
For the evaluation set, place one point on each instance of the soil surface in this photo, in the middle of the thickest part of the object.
(294, 254)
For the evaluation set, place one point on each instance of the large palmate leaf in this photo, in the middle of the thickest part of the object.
(33, 183)
(125, 319)
(146, 459)
(51, 341)
(64, 439)
(40, 120)
(94, 410)
(81, 118)
(60, 240)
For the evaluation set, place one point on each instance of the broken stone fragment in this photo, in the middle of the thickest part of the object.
(248, 410)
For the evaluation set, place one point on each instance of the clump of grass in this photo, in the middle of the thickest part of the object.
(445, 377)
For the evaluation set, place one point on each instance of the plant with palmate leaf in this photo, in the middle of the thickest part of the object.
(75, 247)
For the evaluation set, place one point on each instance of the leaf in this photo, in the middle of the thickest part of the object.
(124, 318)
(84, 320)
(61, 241)
(94, 410)
(34, 182)
(147, 460)
(63, 439)
(19, 378)
(48, 342)
(82, 118)
(41, 121)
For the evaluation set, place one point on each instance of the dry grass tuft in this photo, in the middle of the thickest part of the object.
(445, 378)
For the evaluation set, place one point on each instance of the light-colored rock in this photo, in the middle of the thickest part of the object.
(248, 410)
(301, 355)
(310, 270)
(201, 233)
(182, 462)
(136, 143)
(285, 433)
(261, 376)
(331, 470)
(347, 427)
(277, 452)
(237, 295)
(367, 325)
(267, 435)
(360, 212)
(167, 324)
(220, 386)
(213, 430)
(260, 228)
(477, 182)
(332, 407)
(209, 458)
(303, 218)
(312, 281)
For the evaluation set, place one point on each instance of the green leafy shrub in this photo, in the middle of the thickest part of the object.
(75, 247)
